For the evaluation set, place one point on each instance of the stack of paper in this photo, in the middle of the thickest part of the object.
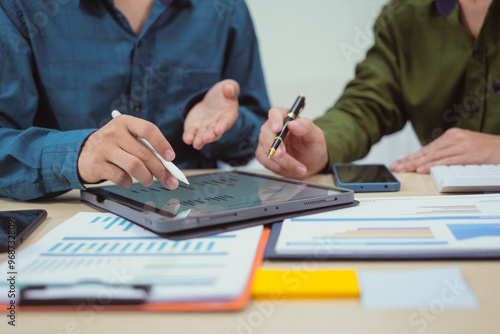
(104, 249)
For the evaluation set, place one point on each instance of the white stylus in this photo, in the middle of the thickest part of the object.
(168, 165)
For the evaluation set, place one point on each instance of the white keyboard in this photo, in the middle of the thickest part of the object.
(468, 178)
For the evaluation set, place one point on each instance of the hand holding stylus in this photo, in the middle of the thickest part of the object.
(114, 153)
(168, 164)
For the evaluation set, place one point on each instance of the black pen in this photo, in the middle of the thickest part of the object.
(292, 114)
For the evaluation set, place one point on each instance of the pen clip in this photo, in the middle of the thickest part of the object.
(297, 107)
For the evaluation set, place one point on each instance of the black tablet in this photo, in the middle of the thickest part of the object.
(215, 200)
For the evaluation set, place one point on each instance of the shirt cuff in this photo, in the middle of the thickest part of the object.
(60, 160)
(328, 167)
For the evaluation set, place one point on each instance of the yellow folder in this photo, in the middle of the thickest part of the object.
(305, 284)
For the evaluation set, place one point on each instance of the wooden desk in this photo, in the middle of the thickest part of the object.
(323, 316)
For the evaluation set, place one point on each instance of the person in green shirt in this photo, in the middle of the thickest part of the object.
(435, 63)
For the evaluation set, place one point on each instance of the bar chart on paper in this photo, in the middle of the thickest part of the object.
(103, 248)
(120, 241)
(398, 224)
(349, 235)
(119, 237)
(141, 246)
(381, 236)
(109, 222)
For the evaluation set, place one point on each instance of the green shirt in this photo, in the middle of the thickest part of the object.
(425, 68)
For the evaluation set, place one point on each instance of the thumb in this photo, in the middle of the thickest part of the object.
(231, 89)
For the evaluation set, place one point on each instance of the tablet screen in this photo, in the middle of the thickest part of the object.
(216, 192)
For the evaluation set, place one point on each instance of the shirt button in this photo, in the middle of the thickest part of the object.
(137, 107)
(66, 181)
(474, 108)
(476, 53)
(495, 85)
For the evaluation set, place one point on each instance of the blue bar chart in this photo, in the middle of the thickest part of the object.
(133, 246)
(118, 243)
(109, 222)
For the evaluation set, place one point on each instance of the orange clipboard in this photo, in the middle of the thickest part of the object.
(233, 305)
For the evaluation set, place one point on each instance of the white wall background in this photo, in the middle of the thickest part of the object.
(300, 44)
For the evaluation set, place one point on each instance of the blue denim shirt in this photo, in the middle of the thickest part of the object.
(66, 64)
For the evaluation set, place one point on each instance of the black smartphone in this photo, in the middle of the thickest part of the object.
(16, 226)
(365, 178)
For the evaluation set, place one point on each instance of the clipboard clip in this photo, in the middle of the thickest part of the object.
(75, 294)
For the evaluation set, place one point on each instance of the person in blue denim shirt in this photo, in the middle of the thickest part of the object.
(186, 74)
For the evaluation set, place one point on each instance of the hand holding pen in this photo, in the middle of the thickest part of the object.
(303, 151)
(297, 107)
